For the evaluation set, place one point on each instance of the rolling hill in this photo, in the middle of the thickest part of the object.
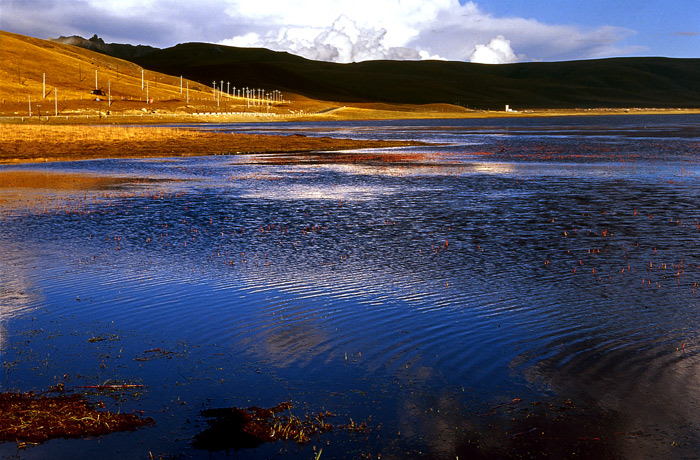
(615, 82)
(48, 78)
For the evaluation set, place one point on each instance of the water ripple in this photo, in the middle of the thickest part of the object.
(514, 260)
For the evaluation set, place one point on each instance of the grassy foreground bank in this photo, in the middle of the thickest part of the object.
(32, 143)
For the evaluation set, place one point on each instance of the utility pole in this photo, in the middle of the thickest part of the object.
(180, 84)
(109, 93)
(43, 90)
(30, 106)
(148, 100)
(55, 99)
(95, 78)
(188, 92)
(141, 79)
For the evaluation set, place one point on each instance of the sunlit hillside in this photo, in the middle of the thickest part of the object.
(49, 78)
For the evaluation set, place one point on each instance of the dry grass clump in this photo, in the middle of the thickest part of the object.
(56, 134)
(30, 418)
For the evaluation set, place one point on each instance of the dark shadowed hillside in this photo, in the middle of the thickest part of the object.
(619, 82)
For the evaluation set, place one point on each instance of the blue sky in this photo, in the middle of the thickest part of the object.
(488, 31)
(668, 28)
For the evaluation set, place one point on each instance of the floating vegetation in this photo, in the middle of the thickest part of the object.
(234, 428)
(29, 418)
(103, 337)
(155, 353)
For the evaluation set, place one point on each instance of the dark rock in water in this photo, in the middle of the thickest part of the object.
(227, 430)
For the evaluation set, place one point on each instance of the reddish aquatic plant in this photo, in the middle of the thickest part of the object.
(27, 417)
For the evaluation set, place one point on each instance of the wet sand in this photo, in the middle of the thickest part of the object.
(55, 180)
(43, 190)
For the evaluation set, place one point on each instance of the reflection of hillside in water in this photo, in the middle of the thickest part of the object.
(651, 386)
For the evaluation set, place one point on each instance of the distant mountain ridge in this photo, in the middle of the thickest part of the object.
(614, 82)
(95, 43)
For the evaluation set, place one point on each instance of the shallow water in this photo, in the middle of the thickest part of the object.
(524, 261)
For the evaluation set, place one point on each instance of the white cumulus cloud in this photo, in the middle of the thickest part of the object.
(357, 30)
(343, 41)
(497, 51)
(332, 30)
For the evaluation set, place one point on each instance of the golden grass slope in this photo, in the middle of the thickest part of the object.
(25, 60)
(41, 70)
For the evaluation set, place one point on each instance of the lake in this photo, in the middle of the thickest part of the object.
(526, 287)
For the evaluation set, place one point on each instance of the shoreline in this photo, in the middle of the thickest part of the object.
(339, 113)
(49, 139)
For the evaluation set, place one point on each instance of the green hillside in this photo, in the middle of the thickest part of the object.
(618, 82)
